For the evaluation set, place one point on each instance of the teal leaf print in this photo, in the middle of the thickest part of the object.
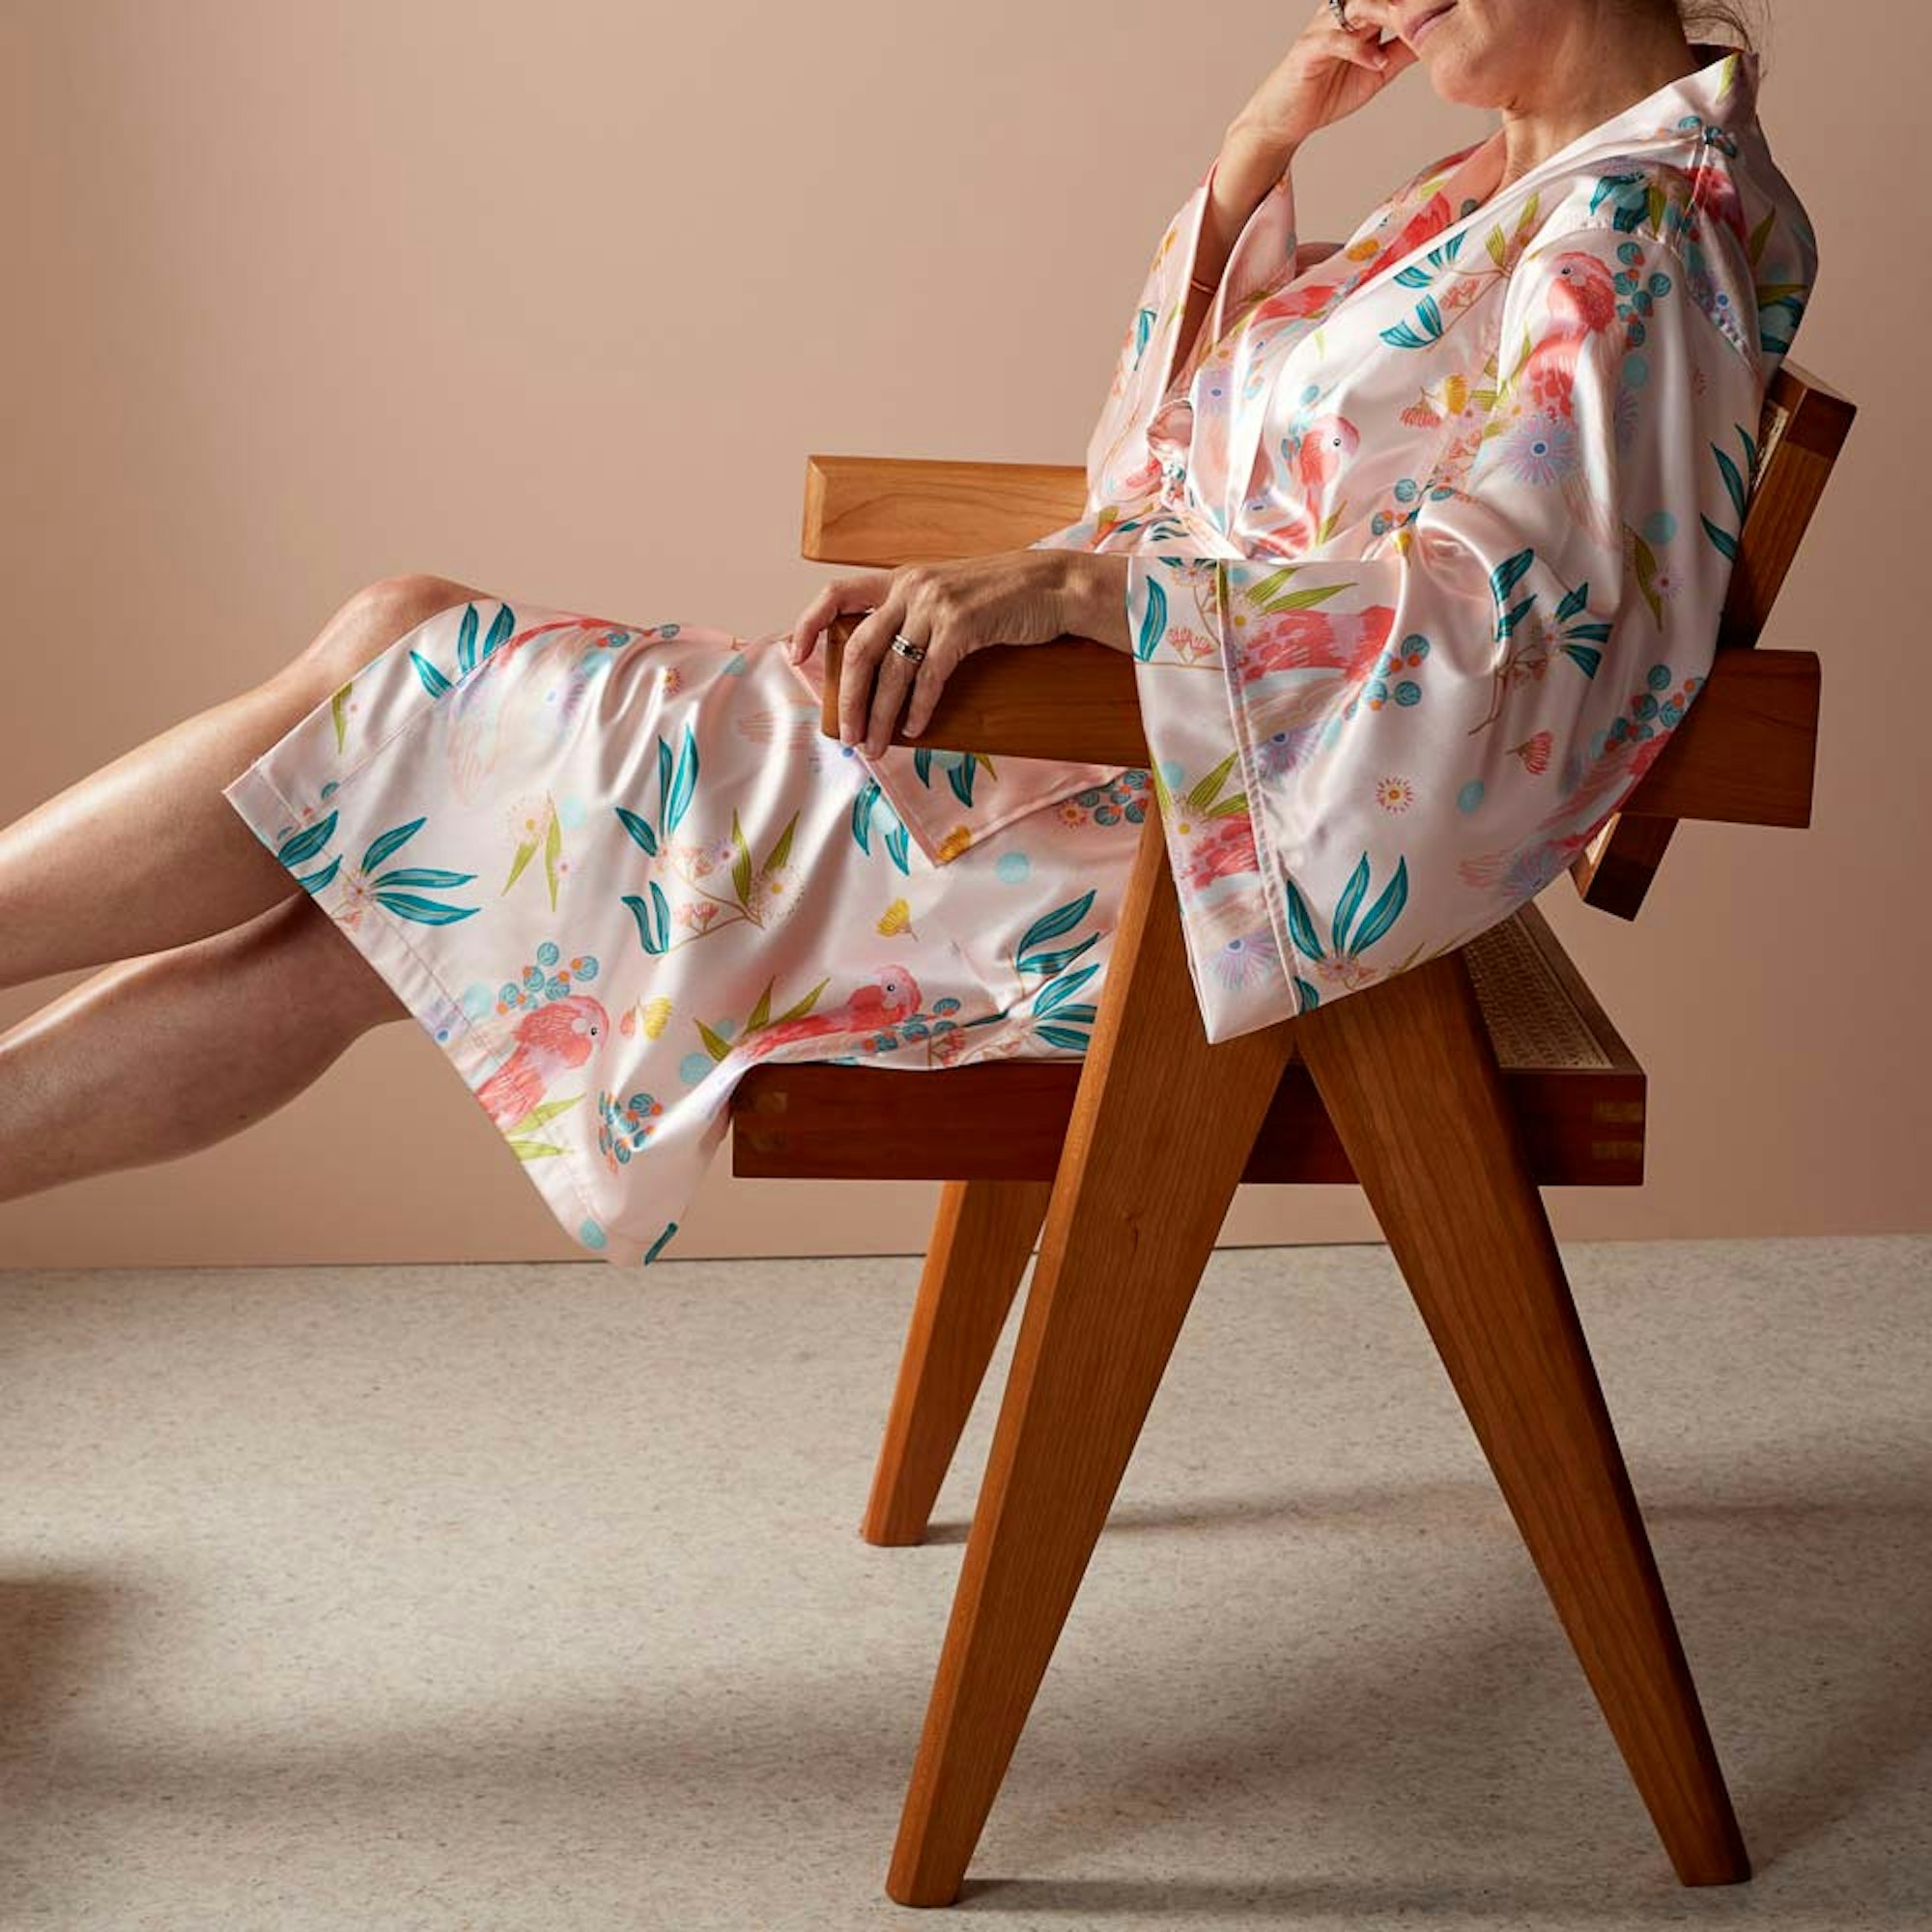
(1352, 895)
(898, 840)
(466, 656)
(1050, 926)
(962, 776)
(424, 912)
(389, 891)
(1300, 927)
(1738, 481)
(1726, 544)
(381, 848)
(1060, 990)
(427, 878)
(1780, 309)
(654, 921)
(1074, 1043)
(306, 845)
(1384, 913)
(677, 789)
(1419, 274)
(1380, 917)
(1734, 483)
(434, 681)
(638, 830)
(1507, 574)
(315, 881)
(1153, 620)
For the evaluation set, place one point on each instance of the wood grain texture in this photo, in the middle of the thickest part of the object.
(882, 511)
(1403, 1069)
(1161, 1125)
(981, 1242)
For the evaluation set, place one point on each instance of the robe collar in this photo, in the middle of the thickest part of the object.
(1711, 103)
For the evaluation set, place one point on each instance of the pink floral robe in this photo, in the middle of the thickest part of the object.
(1427, 539)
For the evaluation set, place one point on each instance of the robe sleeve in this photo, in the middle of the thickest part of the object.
(1151, 356)
(1362, 761)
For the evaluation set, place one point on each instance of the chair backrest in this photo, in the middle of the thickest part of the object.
(1804, 428)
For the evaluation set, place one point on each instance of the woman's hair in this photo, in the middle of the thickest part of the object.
(1726, 22)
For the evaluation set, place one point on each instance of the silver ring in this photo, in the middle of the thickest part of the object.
(1339, 10)
(906, 648)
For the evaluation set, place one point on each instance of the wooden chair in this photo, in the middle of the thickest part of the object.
(1122, 1162)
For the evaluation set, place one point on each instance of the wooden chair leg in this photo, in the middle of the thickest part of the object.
(1161, 1130)
(1408, 1076)
(981, 1240)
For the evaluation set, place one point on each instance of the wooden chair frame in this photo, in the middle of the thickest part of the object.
(1123, 1162)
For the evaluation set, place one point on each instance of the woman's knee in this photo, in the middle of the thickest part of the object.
(325, 972)
(370, 621)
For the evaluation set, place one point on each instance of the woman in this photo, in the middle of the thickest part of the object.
(1418, 541)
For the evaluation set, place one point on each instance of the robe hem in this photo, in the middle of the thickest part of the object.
(381, 941)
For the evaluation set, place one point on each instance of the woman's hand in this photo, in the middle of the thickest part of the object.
(954, 608)
(1327, 75)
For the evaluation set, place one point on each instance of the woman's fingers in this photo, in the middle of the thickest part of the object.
(891, 683)
(841, 594)
(858, 662)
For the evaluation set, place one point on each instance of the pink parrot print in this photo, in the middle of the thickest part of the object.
(550, 1041)
(880, 1004)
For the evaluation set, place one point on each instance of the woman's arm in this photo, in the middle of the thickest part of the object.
(1247, 167)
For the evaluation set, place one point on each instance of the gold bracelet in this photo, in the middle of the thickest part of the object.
(1205, 288)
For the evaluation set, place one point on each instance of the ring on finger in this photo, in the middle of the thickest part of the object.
(906, 648)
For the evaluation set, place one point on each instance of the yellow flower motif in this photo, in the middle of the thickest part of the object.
(1364, 250)
(896, 919)
(954, 842)
(1395, 794)
(657, 1016)
(1456, 395)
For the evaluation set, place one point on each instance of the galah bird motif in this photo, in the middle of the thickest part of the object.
(490, 716)
(1581, 302)
(881, 1003)
(1321, 454)
(552, 1039)
(1346, 643)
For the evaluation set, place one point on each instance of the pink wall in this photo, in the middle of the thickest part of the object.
(556, 303)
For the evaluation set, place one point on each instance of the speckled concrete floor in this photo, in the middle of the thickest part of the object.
(531, 1597)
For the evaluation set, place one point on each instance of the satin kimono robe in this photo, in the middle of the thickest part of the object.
(1429, 535)
(1427, 543)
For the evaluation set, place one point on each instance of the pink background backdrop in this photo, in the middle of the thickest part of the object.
(557, 304)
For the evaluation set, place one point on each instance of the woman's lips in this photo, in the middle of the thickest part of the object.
(1428, 20)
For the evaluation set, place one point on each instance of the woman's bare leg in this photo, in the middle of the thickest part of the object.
(146, 853)
(155, 1057)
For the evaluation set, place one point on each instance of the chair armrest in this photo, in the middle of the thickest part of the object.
(1074, 698)
(881, 511)
(1744, 754)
